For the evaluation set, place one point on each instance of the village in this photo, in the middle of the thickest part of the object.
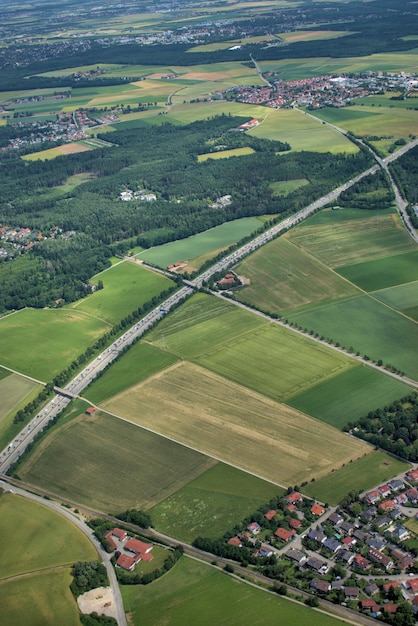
(359, 554)
(21, 239)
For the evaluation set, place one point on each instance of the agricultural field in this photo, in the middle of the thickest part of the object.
(339, 242)
(283, 188)
(141, 361)
(375, 330)
(15, 392)
(382, 273)
(225, 154)
(373, 120)
(185, 595)
(403, 298)
(283, 276)
(360, 475)
(51, 153)
(237, 426)
(42, 538)
(302, 132)
(210, 241)
(212, 503)
(126, 287)
(88, 450)
(42, 598)
(246, 348)
(349, 396)
(55, 336)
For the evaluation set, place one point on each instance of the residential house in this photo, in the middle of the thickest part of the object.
(396, 513)
(382, 522)
(372, 497)
(376, 542)
(369, 606)
(346, 527)
(381, 559)
(412, 475)
(317, 535)
(412, 495)
(384, 490)
(270, 514)
(294, 497)
(335, 519)
(392, 584)
(361, 563)
(349, 542)
(295, 523)
(285, 535)
(387, 505)
(254, 528)
(317, 565)
(345, 556)
(398, 532)
(235, 541)
(351, 593)
(317, 509)
(332, 545)
(412, 585)
(321, 586)
(139, 548)
(396, 484)
(372, 589)
(296, 555)
(404, 560)
(369, 514)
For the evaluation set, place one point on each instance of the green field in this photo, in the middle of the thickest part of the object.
(41, 599)
(126, 287)
(365, 473)
(339, 242)
(246, 348)
(282, 276)
(194, 593)
(404, 298)
(211, 240)
(225, 154)
(141, 360)
(374, 330)
(55, 336)
(13, 390)
(111, 465)
(283, 188)
(342, 214)
(36, 538)
(349, 396)
(212, 503)
(233, 424)
(302, 132)
(383, 273)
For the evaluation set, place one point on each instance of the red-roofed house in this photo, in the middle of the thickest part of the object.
(270, 514)
(291, 508)
(413, 585)
(317, 509)
(389, 608)
(412, 475)
(369, 605)
(254, 528)
(349, 541)
(361, 562)
(294, 497)
(127, 562)
(138, 547)
(372, 496)
(90, 410)
(284, 535)
(235, 541)
(384, 490)
(393, 584)
(295, 523)
(387, 505)
(119, 534)
(108, 537)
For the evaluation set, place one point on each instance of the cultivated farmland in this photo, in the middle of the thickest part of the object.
(282, 276)
(340, 243)
(349, 396)
(360, 475)
(375, 330)
(233, 424)
(404, 298)
(211, 240)
(110, 464)
(55, 337)
(126, 287)
(212, 503)
(187, 594)
(246, 348)
(382, 273)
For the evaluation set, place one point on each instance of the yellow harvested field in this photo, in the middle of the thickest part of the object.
(234, 424)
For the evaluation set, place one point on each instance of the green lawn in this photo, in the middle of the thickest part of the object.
(42, 342)
(370, 470)
(212, 503)
(36, 538)
(349, 396)
(139, 362)
(126, 287)
(373, 329)
(209, 241)
(39, 600)
(282, 276)
(110, 464)
(194, 593)
(404, 298)
(383, 273)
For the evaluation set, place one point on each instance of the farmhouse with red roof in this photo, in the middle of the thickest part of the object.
(285, 535)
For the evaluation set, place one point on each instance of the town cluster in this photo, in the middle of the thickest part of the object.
(21, 239)
(360, 554)
(324, 91)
